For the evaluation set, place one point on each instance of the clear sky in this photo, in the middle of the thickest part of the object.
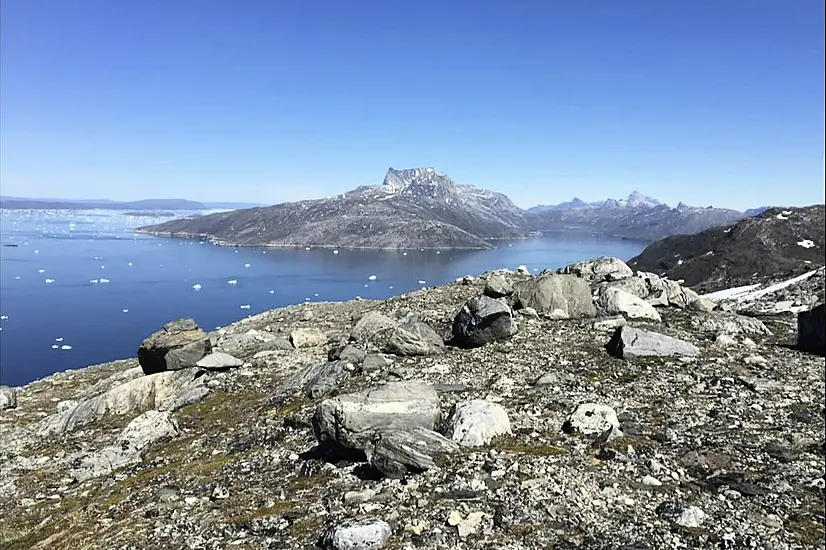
(706, 101)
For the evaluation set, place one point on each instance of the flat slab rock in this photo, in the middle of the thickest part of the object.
(365, 534)
(396, 452)
(629, 343)
(219, 360)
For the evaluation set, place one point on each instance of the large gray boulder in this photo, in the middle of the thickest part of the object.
(568, 295)
(8, 397)
(664, 292)
(811, 330)
(619, 302)
(308, 337)
(366, 534)
(414, 337)
(314, 380)
(629, 343)
(219, 360)
(597, 270)
(178, 345)
(350, 420)
(498, 286)
(729, 323)
(153, 392)
(481, 320)
(476, 422)
(395, 452)
(371, 326)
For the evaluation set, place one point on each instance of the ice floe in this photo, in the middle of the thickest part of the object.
(104, 281)
(272, 292)
(335, 251)
(65, 347)
(245, 306)
(806, 243)
(49, 281)
(44, 271)
(422, 281)
(372, 278)
(125, 310)
(246, 265)
(196, 286)
(232, 282)
(94, 281)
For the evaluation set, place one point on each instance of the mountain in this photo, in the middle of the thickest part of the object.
(15, 203)
(778, 242)
(635, 217)
(756, 211)
(232, 205)
(415, 208)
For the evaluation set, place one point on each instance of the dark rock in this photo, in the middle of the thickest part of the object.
(811, 330)
(178, 345)
(413, 449)
(781, 453)
(481, 320)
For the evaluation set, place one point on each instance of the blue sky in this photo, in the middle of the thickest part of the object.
(709, 102)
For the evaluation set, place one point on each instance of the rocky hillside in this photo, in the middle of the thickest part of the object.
(779, 242)
(591, 408)
(418, 208)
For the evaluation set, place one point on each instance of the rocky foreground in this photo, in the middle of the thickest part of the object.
(593, 408)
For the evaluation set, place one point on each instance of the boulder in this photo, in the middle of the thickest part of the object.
(372, 325)
(597, 270)
(218, 360)
(414, 337)
(703, 305)
(8, 397)
(663, 292)
(103, 462)
(375, 361)
(629, 343)
(153, 392)
(366, 534)
(308, 337)
(615, 301)
(729, 323)
(347, 352)
(498, 286)
(593, 419)
(148, 428)
(811, 330)
(314, 380)
(178, 345)
(476, 422)
(350, 420)
(481, 320)
(569, 294)
(633, 285)
(395, 452)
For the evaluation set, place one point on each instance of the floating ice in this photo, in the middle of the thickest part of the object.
(372, 277)
(49, 281)
(391, 287)
(37, 251)
(246, 265)
(335, 251)
(17, 277)
(365, 286)
(232, 282)
(65, 347)
(129, 264)
(307, 248)
(438, 252)
(41, 271)
(404, 253)
(94, 281)
(806, 243)
(272, 292)
(55, 346)
(196, 286)
(245, 306)
(422, 282)
(104, 281)
(316, 294)
(58, 339)
(125, 310)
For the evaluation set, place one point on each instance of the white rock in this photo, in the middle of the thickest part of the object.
(367, 534)
(8, 397)
(593, 418)
(475, 423)
(651, 481)
(147, 428)
(691, 517)
(219, 360)
(616, 301)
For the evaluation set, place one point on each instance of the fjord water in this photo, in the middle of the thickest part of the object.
(108, 288)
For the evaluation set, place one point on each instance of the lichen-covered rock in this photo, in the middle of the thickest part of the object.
(414, 337)
(366, 534)
(307, 337)
(476, 422)
(568, 294)
(597, 270)
(615, 301)
(349, 420)
(8, 397)
(593, 419)
(219, 360)
(178, 345)
(729, 323)
(629, 343)
(498, 286)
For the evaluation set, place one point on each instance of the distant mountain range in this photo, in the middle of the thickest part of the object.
(19, 203)
(424, 208)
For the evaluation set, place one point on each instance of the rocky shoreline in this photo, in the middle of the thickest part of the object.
(591, 408)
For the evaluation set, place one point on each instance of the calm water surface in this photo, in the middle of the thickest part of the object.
(80, 288)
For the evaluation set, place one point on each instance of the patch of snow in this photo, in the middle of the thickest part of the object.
(752, 292)
(782, 216)
(728, 293)
(710, 253)
(806, 243)
(679, 262)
